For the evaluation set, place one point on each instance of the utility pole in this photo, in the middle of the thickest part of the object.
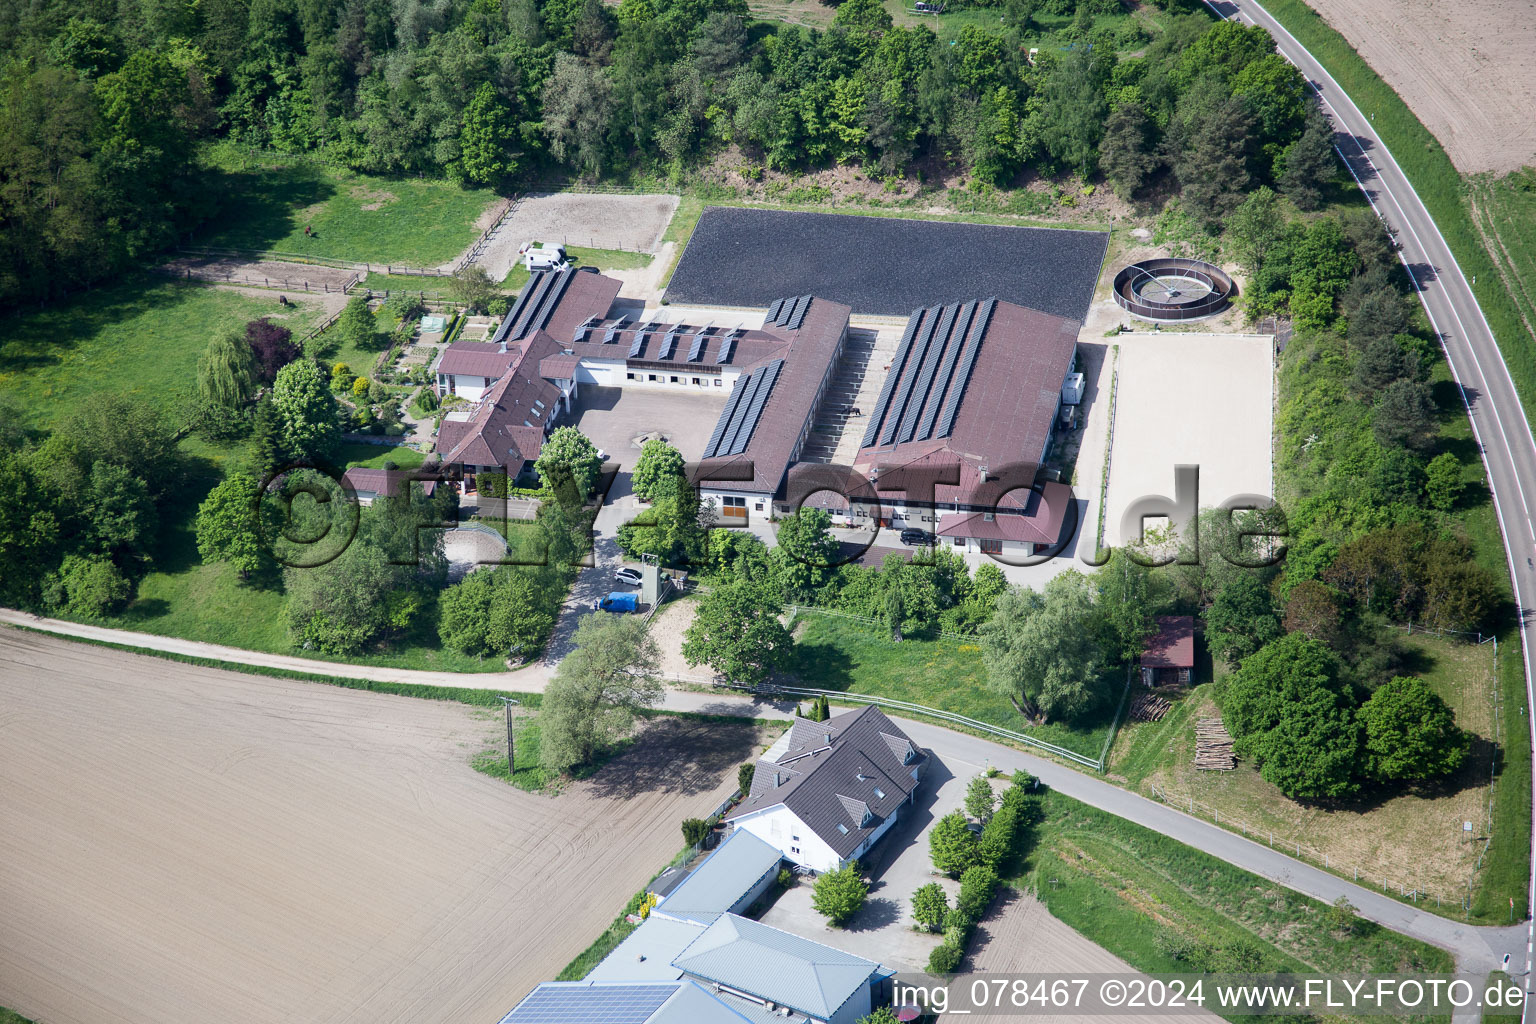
(507, 702)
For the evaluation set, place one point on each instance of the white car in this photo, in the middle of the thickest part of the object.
(628, 575)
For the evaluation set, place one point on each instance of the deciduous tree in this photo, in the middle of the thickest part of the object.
(1410, 733)
(306, 411)
(609, 676)
(839, 894)
(737, 632)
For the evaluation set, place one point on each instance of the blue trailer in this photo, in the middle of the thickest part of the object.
(618, 601)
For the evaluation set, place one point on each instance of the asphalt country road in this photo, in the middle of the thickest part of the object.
(1498, 420)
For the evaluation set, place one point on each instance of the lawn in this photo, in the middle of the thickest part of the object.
(1163, 906)
(1504, 210)
(835, 653)
(373, 456)
(354, 217)
(607, 259)
(141, 337)
(1409, 839)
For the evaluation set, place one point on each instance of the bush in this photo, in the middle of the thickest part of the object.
(786, 878)
(694, 830)
(839, 894)
(744, 777)
(930, 906)
(952, 845)
(977, 887)
(492, 483)
(944, 959)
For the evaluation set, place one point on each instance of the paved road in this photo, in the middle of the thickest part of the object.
(1498, 420)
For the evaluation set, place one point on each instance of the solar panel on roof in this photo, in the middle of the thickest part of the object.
(696, 350)
(903, 394)
(773, 311)
(591, 1004)
(638, 343)
(534, 293)
(611, 335)
(797, 316)
(767, 376)
(946, 372)
(728, 439)
(737, 390)
(963, 371)
(882, 403)
(925, 371)
(584, 331)
(669, 343)
(726, 348)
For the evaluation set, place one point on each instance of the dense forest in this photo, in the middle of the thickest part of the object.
(107, 106)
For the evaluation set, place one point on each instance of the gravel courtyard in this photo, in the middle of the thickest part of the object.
(1201, 399)
(883, 266)
(184, 845)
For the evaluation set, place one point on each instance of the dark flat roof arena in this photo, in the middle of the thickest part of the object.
(884, 266)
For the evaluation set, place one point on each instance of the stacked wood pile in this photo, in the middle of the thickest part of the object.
(1149, 707)
(1213, 746)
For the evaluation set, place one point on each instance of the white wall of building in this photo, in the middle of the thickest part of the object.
(675, 379)
(778, 827)
(469, 388)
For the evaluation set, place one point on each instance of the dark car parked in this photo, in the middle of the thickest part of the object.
(913, 536)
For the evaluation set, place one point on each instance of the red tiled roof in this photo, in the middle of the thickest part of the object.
(507, 426)
(385, 482)
(561, 367)
(476, 359)
(1039, 524)
(1173, 645)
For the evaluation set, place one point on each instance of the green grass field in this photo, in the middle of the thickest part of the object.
(844, 654)
(12, 1017)
(353, 217)
(373, 456)
(141, 337)
(1504, 210)
(1144, 896)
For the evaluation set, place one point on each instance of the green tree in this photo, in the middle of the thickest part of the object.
(737, 632)
(90, 586)
(1341, 915)
(671, 529)
(1443, 485)
(867, 18)
(1241, 619)
(807, 554)
(570, 449)
(306, 411)
(694, 830)
(1074, 112)
(1212, 166)
(929, 905)
(1044, 651)
(1255, 229)
(997, 838)
(980, 801)
(1381, 364)
(578, 105)
(1127, 152)
(1410, 733)
(227, 527)
(609, 676)
(1404, 414)
(120, 517)
(1287, 710)
(473, 286)
(744, 775)
(487, 139)
(977, 887)
(1309, 164)
(1128, 598)
(226, 381)
(658, 469)
(839, 894)
(357, 327)
(29, 530)
(952, 845)
(504, 610)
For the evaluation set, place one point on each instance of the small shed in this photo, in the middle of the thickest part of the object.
(1169, 654)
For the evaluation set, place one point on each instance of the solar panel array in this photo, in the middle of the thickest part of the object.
(584, 329)
(591, 1004)
(696, 349)
(535, 304)
(638, 343)
(935, 358)
(611, 335)
(743, 410)
(728, 345)
(669, 343)
(788, 313)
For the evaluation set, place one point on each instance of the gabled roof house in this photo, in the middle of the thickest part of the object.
(826, 792)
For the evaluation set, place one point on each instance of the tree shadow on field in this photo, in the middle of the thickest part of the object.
(44, 337)
(687, 756)
(820, 665)
(264, 205)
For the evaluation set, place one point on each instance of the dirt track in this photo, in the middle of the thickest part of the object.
(188, 845)
(1465, 67)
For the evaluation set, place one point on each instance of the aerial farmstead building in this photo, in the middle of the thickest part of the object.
(972, 396)
(1169, 654)
(826, 792)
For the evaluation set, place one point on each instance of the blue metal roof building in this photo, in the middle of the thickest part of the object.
(727, 882)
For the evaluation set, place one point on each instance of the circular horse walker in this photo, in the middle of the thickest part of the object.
(1171, 289)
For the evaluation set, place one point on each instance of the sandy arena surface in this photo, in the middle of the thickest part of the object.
(1467, 68)
(589, 220)
(188, 845)
(298, 277)
(1201, 399)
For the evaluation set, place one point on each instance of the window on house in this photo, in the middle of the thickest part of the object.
(794, 849)
(697, 382)
(959, 542)
(759, 506)
(630, 376)
(717, 382)
(674, 380)
(795, 838)
(990, 546)
(842, 828)
(879, 793)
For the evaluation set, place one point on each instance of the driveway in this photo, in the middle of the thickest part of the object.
(899, 865)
